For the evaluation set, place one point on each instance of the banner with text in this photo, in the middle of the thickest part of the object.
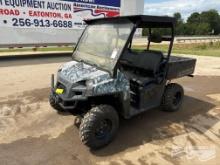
(55, 14)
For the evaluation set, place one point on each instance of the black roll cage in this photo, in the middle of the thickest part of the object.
(152, 22)
(140, 21)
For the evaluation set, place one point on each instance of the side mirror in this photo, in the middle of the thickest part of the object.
(157, 38)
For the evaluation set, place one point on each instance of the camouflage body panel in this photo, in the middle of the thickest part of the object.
(101, 82)
(119, 84)
(77, 71)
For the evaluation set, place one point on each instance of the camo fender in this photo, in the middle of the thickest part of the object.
(119, 84)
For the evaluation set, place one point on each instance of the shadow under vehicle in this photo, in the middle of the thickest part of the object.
(107, 78)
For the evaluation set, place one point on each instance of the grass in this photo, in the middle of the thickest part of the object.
(202, 49)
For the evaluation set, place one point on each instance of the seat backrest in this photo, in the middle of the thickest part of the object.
(147, 60)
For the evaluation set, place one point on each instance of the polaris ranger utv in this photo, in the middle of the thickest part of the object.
(107, 78)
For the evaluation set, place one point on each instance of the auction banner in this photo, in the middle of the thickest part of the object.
(49, 15)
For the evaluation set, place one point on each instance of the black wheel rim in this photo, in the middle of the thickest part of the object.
(103, 129)
(177, 98)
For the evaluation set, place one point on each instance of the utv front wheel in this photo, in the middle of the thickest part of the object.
(54, 103)
(173, 97)
(99, 126)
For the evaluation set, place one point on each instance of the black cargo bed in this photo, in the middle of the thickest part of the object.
(180, 67)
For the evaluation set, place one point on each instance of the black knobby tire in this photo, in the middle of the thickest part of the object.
(54, 104)
(99, 126)
(173, 97)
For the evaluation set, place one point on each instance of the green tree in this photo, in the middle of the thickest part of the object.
(194, 18)
(145, 32)
(178, 17)
(179, 24)
(212, 18)
(197, 24)
(203, 29)
(204, 23)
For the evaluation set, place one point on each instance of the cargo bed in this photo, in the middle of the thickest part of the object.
(180, 67)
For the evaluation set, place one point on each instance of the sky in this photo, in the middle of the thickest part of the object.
(185, 7)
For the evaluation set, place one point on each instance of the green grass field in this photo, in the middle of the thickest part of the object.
(202, 49)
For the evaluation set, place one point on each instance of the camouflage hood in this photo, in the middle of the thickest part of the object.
(77, 71)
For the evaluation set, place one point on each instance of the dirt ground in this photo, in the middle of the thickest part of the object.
(32, 133)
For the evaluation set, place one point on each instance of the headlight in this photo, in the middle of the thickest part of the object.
(89, 83)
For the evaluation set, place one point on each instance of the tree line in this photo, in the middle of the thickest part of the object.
(204, 23)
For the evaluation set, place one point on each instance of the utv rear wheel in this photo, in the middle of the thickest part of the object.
(173, 97)
(54, 104)
(99, 126)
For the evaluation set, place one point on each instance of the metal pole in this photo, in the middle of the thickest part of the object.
(52, 81)
(149, 36)
(171, 44)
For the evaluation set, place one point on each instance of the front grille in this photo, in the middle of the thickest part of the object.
(78, 93)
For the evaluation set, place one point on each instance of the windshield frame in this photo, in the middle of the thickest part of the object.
(113, 70)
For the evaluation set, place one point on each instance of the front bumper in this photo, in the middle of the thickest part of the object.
(64, 102)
